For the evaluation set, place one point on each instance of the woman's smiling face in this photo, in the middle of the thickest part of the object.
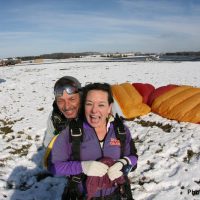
(97, 108)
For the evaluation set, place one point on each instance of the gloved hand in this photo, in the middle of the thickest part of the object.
(115, 171)
(94, 168)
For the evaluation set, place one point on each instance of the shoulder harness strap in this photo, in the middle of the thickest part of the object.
(76, 137)
(120, 132)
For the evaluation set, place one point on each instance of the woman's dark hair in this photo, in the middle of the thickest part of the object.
(98, 86)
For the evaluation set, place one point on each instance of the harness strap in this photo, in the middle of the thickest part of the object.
(125, 190)
(71, 192)
(120, 133)
(76, 137)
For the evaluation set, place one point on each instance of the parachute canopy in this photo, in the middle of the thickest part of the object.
(128, 102)
(181, 103)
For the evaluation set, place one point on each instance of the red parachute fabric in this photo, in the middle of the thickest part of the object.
(145, 89)
(95, 183)
(159, 91)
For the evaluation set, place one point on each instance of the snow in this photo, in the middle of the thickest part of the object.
(169, 152)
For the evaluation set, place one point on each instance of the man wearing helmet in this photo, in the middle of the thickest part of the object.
(66, 106)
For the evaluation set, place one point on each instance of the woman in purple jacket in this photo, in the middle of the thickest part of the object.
(99, 141)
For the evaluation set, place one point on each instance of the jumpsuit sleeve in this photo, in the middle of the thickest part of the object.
(59, 162)
(130, 149)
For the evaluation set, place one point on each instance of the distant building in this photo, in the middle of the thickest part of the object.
(38, 60)
(9, 61)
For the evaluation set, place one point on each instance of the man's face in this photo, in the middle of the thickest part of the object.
(69, 104)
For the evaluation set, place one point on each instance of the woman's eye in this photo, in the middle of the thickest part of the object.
(101, 105)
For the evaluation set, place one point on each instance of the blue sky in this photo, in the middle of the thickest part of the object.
(48, 26)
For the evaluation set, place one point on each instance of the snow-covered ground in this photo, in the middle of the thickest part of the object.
(169, 152)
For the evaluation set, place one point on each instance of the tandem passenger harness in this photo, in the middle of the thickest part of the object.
(71, 191)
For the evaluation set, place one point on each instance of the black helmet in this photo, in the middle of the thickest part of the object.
(68, 83)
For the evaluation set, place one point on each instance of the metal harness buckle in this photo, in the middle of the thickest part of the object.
(76, 135)
(120, 132)
(76, 179)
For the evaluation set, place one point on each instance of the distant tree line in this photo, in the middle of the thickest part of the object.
(11, 61)
(56, 56)
(78, 55)
(190, 53)
(184, 53)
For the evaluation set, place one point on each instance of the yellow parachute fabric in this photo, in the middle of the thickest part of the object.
(129, 101)
(181, 103)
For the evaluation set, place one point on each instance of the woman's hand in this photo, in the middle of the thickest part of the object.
(94, 168)
(115, 171)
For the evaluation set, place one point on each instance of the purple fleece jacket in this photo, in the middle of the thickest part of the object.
(61, 163)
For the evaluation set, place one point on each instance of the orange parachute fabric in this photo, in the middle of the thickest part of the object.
(128, 102)
(159, 91)
(181, 103)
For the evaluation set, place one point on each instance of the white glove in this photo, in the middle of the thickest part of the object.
(94, 168)
(115, 171)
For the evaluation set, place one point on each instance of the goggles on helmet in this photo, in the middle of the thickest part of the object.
(70, 89)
